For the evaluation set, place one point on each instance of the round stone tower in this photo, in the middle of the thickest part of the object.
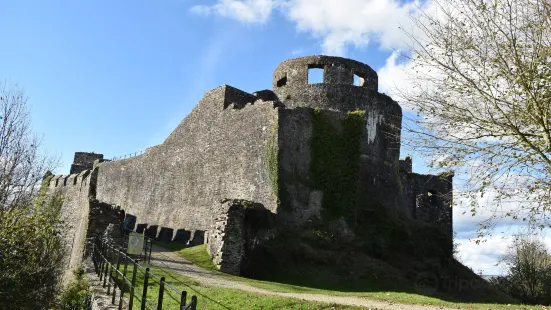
(347, 85)
(341, 91)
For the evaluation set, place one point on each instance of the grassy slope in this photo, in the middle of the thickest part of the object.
(213, 297)
(199, 256)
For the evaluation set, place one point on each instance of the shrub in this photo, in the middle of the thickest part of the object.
(31, 255)
(77, 295)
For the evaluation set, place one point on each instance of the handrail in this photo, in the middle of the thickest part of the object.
(126, 156)
(107, 258)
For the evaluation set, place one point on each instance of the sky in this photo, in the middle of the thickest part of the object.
(116, 77)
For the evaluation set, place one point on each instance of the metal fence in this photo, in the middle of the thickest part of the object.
(111, 265)
(128, 155)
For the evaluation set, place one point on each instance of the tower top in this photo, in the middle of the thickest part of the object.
(336, 70)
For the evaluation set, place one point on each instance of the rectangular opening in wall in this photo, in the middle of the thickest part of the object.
(315, 74)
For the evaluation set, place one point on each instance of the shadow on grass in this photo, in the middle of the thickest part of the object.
(350, 273)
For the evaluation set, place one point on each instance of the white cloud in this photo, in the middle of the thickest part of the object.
(487, 255)
(336, 23)
(394, 75)
(353, 22)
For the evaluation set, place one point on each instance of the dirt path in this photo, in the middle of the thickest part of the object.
(164, 258)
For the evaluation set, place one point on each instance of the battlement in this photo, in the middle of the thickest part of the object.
(336, 71)
(73, 179)
(346, 85)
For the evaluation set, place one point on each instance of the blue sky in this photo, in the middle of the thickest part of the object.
(115, 77)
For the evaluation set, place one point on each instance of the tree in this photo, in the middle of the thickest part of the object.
(455, 250)
(528, 269)
(481, 101)
(22, 165)
(31, 249)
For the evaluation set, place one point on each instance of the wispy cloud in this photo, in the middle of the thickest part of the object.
(248, 11)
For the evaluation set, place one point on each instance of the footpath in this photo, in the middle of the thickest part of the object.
(162, 257)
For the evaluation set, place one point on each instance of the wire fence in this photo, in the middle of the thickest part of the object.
(112, 265)
(126, 156)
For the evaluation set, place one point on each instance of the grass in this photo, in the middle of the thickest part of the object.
(198, 255)
(212, 297)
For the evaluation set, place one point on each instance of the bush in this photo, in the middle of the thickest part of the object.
(77, 295)
(31, 255)
(528, 266)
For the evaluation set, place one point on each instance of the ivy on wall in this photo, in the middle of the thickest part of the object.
(335, 162)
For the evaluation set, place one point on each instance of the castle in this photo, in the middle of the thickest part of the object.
(241, 167)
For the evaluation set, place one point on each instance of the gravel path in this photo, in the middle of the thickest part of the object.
(165, 258)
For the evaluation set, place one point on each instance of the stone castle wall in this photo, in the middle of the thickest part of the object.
(219, 150)
(74, 189)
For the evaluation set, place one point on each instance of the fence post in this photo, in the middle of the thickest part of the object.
(118, 264)
(106, 260)
(150, 249)
(110, 277)
(193, 302)
(94, 256)
(116, 276)
(121, 297)
(145, 283)
(183, 300)
(132, 285)
(101, 263)
(161, 293)
(125, 264)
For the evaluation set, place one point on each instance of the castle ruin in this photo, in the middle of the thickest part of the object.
(241, 167)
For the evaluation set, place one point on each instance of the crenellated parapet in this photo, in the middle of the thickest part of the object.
(336, 71)
(62, 181)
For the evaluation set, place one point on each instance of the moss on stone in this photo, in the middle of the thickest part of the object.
(334, 167)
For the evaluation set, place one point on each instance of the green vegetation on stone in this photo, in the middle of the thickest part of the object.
(335, 151)
(77, 295)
